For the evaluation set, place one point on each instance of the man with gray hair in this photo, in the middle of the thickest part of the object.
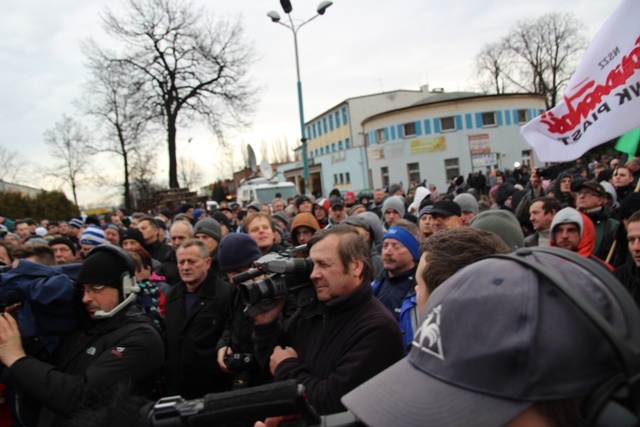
(197, 309)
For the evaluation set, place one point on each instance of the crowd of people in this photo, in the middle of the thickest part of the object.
(151, 300)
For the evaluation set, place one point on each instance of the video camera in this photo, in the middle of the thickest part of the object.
(287, 275)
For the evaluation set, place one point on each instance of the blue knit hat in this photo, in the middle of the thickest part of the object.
(236, 251)
(92, 235)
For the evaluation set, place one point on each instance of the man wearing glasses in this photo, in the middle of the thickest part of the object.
(115, 343)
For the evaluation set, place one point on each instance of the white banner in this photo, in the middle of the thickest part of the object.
(602, 100)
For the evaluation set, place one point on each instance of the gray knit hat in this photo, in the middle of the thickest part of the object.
(208, 226)
(393, 202)
(467, 202)
(503, 223)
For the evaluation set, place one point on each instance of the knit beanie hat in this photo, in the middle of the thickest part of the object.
(282, 217)
(104, 267)
(75, 222)
(304, 219)
(133, 234)
(256, 206)
(503, 223)
(467, 202)
(208, 226)
(393, 202)
(221, 218)
(92, 235)
(236, 251)
(63, 241)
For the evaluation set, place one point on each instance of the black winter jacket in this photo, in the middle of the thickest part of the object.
(191, 338)
(340, 345)
(126, 348)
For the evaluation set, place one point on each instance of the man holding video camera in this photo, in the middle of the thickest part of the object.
(343, 339)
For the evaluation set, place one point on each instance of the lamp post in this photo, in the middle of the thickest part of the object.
(275, 17)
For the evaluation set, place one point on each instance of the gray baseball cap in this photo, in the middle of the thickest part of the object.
(496, 338)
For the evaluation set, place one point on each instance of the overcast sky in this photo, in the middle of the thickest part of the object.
(358, 47)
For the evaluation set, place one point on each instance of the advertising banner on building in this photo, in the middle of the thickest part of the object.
(484, 160)
(479, 144)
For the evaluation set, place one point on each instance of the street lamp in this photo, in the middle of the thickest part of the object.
(275, 17)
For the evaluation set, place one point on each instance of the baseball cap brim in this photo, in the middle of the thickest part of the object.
(403, 395)
(441, 212)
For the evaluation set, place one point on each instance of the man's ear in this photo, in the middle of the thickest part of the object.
(357, 266)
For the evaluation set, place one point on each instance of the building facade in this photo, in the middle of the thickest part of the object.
(335, 142)
(447, 135)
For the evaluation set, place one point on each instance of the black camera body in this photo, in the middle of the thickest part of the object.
(238, 362)
(287, 275)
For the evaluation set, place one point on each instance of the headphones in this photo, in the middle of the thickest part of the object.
(129, 284)
(616, 401)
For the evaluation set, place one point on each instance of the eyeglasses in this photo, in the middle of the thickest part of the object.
(93, 289)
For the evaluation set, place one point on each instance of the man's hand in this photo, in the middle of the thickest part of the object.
(10, 340)
(221, 353)
(279, 354)
(269, 316)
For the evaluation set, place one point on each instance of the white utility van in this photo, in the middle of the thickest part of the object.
(264, 191)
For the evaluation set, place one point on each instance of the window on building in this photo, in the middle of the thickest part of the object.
(324, 124)
(489, 119)
(380, 135)
(526, 157)
(523, 116)
(340, 145)
(347, 142)
(409, 129)
(452, 168)
(384, 171)
(348, 177)
(447, 124)
(341, 178)
(345, 117)
(335, 179)
(333, 147)
(331, 122)
(337, 114)
(413, 172)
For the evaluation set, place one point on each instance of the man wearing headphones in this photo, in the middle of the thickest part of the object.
(115, 343)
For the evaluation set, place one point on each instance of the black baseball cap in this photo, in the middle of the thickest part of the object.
(446, 208)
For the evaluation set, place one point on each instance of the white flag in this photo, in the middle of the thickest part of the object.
(602, 100)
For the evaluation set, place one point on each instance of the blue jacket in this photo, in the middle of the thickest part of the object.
(46, 294)
(402, 306)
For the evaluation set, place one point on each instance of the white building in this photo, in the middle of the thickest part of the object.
(408, 136)
(336, 147)
(449, 134)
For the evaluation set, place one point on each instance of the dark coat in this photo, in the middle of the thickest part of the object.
(340, 345)
(158, 250)
(169, 269)
(191, 369)
(125, 348)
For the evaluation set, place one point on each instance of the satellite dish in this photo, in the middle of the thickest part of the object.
(266, 170)
(253, 165)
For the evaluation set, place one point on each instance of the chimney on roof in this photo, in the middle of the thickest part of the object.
(438, 90)
(424, 88)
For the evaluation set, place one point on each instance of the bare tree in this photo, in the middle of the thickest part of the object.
(11, 165)
(493, 64)
(190, 172)
(188, 65)
(282, 152)
(68, 142)
(142, 175)
(538, 56)
(118, 104)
